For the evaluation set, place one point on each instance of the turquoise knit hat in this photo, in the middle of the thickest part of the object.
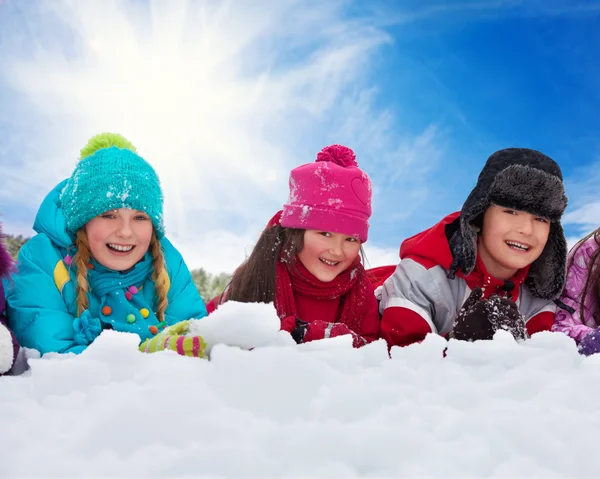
(111, 175)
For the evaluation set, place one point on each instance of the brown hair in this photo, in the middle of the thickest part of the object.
(254, 280)
(159, 276)
(593, 272)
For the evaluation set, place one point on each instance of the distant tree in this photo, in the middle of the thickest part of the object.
(14, 243)
(209, 285)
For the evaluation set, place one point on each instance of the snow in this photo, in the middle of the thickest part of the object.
(488, 409)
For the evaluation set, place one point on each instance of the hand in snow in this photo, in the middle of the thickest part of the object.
(590, 344)
(480, 319)
(504, 314)
(323, 330)
(472, 322)
(175, 338)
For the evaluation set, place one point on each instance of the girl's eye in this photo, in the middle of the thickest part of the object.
(141, 217)
(351, 239)
(326, 234)
(109, 216)
(542, 220)
(510, 212)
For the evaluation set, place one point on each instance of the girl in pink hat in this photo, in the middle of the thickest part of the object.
(307, 261)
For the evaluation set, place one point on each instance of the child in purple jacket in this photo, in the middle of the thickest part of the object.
(578, 314)
(9, 348)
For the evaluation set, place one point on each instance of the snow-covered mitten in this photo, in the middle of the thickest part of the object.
(323, 329)
(9, 347)
(472, 322)
(504, 314)
(590, 344)
(175, 338)
(86, 328)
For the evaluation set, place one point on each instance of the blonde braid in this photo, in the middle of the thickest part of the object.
(81, 260)
(160, 277)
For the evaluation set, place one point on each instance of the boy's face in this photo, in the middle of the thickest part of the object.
(119, 238)
(325, 255)
(511, 240)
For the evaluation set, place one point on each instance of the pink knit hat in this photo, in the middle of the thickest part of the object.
(332, 194)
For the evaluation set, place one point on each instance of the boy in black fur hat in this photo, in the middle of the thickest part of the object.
(496, 264)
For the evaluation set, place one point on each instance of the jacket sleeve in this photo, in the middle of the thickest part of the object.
(185, 301)
(36, 310)
(415, 301)
(566, 322)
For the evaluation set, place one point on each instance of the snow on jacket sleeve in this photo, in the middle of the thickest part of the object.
(415, 301)
(566, 322)
(36, 310)
(185, 301)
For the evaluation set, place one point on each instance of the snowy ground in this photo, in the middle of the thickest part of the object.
(489, 409)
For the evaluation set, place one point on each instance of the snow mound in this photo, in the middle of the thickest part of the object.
(488, 409)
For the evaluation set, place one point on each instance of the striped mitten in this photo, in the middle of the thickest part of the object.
(174, 338)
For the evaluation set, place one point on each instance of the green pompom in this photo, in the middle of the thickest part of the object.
(105, 140)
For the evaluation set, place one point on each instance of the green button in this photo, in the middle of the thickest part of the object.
(131, 318)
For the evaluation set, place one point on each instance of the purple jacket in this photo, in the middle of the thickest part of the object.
(9, 348)
(573, 324)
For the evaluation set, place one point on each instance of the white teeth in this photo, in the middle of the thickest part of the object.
(118, 247)
(330, 263)
(520, 246)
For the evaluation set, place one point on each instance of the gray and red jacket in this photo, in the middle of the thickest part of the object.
(419, 298)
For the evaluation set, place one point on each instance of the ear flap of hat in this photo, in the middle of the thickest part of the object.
(463, 242)
(546, 278)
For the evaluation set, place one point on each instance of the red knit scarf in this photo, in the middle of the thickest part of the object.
(352, 284)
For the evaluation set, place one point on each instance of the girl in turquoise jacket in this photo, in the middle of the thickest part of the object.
(100, 259)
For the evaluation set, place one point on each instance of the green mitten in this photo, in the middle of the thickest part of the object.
(174, 338)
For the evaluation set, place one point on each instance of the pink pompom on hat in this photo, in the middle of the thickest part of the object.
(332, 194)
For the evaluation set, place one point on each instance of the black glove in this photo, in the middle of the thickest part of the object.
(472, 321)
(480, 319)
(299, 331)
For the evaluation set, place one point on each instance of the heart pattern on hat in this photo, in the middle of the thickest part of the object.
(361, 187)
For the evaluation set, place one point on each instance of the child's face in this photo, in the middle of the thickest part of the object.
(511, 240)
(119, 238)
(325, 255)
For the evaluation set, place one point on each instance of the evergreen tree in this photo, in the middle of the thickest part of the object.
(209, 285)
(14, 243)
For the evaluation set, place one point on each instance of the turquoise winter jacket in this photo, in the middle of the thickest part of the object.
(41, 303)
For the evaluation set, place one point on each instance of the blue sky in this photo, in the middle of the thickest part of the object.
(224, 98)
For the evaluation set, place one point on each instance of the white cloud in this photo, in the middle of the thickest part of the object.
(587, 216)
(223, 98)
(377, 256)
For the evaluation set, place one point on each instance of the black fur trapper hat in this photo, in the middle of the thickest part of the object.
(525, 180)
